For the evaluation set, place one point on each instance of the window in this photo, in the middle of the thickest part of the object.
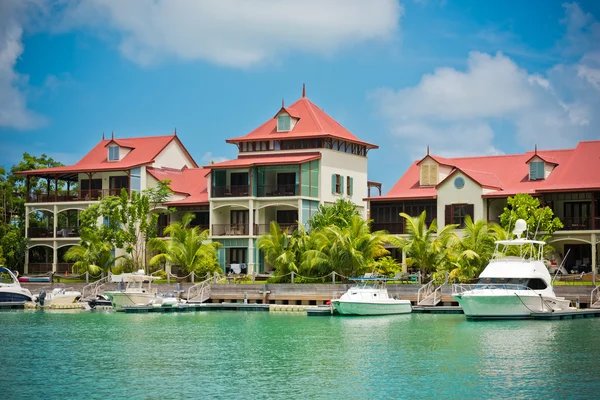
(337, 184)
(349, 184)
(113, 153)
(429, 174)
(284, 123)
(459, 182)
(456, 213)
(536, 170)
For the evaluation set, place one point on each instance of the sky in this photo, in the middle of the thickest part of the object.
(462, 77)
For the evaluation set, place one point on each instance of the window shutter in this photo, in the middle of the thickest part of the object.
(424, 175)
(351, 180)
(433, 174)
(341, 184)
(333, 181)
(448, 215)
(471, 211)
(540, 170)
(532, 171)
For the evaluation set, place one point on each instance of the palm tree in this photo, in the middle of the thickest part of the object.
(425, 247)
(348, 251)
(91, 254)
(187, 247)
(282, 250)
(475, 249)
(339, 213)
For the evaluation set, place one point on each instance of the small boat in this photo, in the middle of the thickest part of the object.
(134, 293)
(10, 288)
(35, 279)
(511, 286)
(166, 300)
(58, 296)
(369, 296)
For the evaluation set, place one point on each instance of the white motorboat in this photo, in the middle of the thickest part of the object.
(369, 296)
(57, 297)
(132, 291)
(511, 286)
(10, 288)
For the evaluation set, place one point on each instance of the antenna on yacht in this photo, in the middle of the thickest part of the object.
(520, 227)
(560, 267)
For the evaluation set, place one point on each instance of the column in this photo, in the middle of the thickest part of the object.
(250, 263)
(54, 256)
(55, 218)
(594, 256)
(26, 268)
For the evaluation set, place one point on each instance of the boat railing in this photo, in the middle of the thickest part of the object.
(460, 288)
(425, 291)
(91, 290)
(595, 296)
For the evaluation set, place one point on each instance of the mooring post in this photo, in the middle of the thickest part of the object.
(293, 273)
(87, 276)
(169, 278)
(193, 277)
(333, 277)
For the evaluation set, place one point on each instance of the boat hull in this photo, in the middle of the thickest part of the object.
(121, 299)
(507, 305)
(372, 308)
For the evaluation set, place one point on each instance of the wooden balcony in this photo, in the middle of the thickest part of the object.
(72, 195)
(390, 227)
(230, 191)
(34, 232)
(160, 230)
(579, 224)
(230, 230)
(278, 190)
(263, 229)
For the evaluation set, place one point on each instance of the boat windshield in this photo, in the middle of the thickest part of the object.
(531, 283)
(6, 276)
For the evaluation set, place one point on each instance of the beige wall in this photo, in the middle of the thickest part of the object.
(469, 194)
(172, 156)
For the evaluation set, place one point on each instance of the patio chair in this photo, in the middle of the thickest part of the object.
(579, 278)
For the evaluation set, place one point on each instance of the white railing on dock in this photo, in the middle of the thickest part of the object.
(200, 292)
(595, 298)
(91, 290)
(425, 291)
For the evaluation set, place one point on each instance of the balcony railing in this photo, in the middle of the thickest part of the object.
(230, 230)
(230, 191)
(263, 229)
(278, 190)
(33, 232)
(39, 268)
(73, 195)
(160, 230)
(577, 223)
(72, 231)
(390, 227)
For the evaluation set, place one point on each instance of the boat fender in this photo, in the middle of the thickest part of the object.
(41, 298)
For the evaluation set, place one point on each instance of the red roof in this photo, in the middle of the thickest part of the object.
(143, 151)
(312, 123)
(269, 159)
(545, 158)
(509, 174)
(188, 181)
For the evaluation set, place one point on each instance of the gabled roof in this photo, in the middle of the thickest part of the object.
(289, 110)
(437, 159)
(545, 158)
(575, 169)
(268, 159)
(188, 181)
(312, 123)
(143, 151)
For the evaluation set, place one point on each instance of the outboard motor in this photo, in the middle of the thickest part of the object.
(41, 298)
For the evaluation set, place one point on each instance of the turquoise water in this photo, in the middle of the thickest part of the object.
(227, 355)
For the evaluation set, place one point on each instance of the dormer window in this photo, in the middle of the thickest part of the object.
(284, 123)
(536, 170)
(429, 174)
(113, 153)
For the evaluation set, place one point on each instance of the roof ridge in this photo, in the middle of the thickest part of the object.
(311, 113)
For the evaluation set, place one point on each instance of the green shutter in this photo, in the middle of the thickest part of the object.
(351, 186)
(332, 183)
(540, 170)
(532, 171)
(341, 184)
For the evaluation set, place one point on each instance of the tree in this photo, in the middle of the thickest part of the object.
(386, 266)
(187, 247)
(339, 214)
(283, 250)
(348, 251)
(91, 255)
(475, 249)
(13, 246)
(426, 247)
(526, 207)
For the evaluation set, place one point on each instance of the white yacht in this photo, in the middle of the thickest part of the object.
(515, 284)
(133, 293)
(369, 296)
(58, 296)
(10, 288)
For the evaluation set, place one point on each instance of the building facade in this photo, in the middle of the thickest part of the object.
(565, 180)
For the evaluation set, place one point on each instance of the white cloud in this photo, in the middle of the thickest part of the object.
(13, 105)
(237, 33)
(455, 111)
(209, 158)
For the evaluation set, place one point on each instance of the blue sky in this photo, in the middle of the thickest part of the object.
(465, 77)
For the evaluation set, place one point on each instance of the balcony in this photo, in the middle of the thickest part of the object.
(72, 195)
(230, 230)
(39, 232)
(390, 227)
(44, 268)
(578, 223)
(263, 229)
(278, 190)
(160, 230)
(230, 191)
